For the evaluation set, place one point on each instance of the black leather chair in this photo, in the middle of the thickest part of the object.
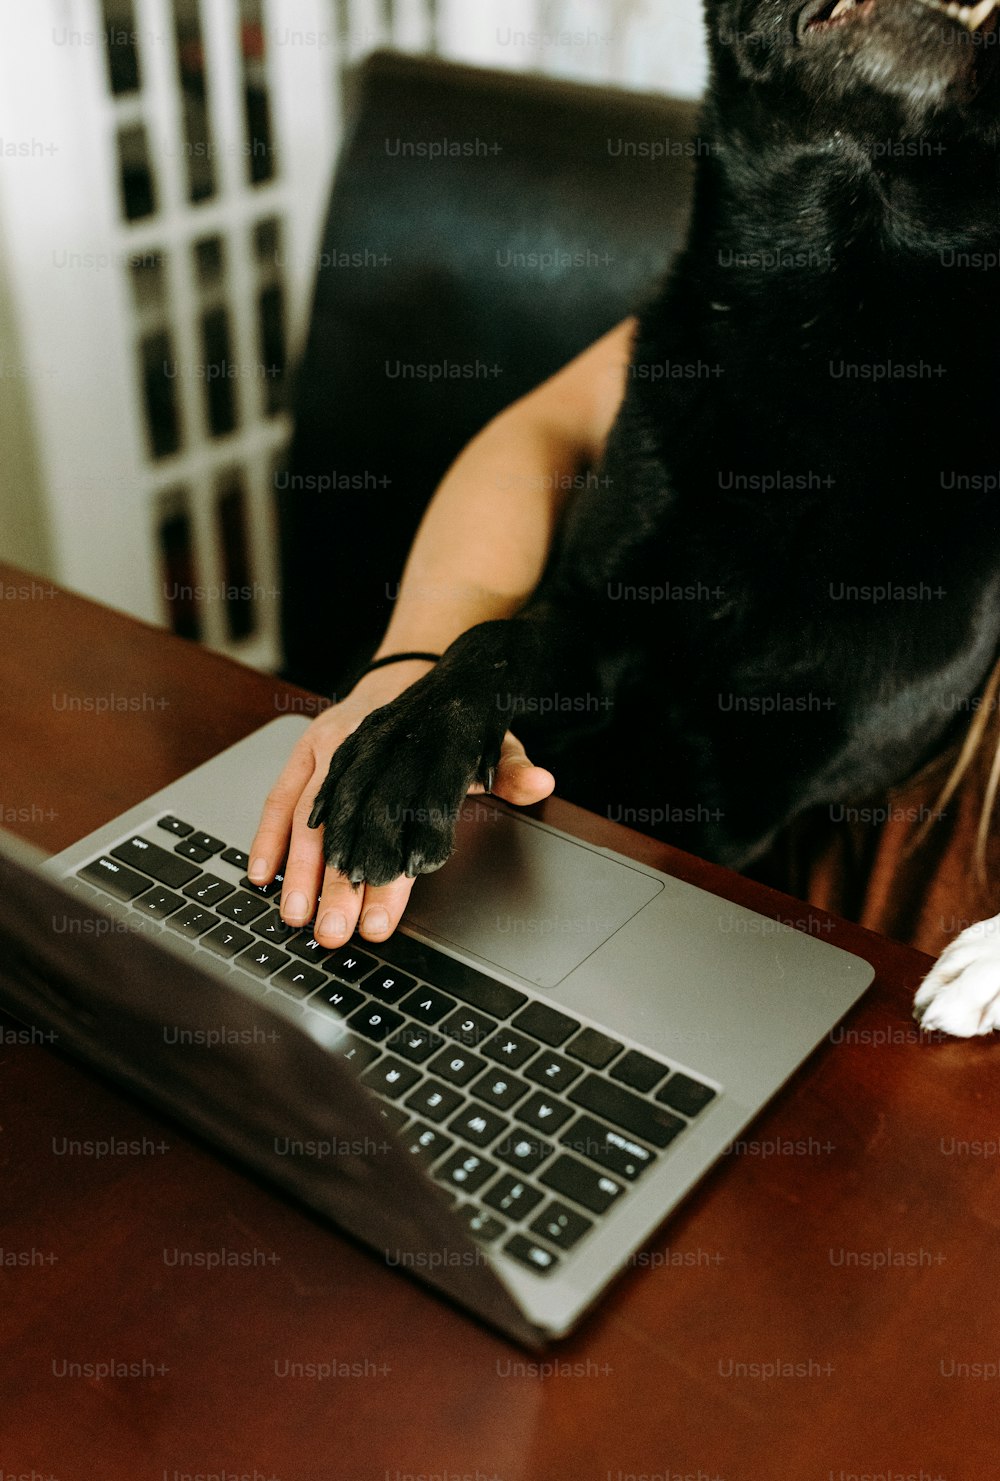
(490, 225)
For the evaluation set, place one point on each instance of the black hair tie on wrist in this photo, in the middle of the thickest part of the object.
(379, 663)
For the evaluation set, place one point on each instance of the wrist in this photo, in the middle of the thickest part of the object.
(385, 660)
(383, 684)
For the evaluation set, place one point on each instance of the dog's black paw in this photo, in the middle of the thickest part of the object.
(390, 800)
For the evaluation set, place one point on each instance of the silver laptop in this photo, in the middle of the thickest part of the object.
(505, 1099)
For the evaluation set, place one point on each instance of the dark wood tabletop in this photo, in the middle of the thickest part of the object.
(824, 1306)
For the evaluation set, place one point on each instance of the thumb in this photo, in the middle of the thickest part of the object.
(517, 779)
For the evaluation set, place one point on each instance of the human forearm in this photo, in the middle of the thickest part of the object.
(484, 541)
(485, 538)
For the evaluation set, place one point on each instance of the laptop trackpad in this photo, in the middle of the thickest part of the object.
(528, 901)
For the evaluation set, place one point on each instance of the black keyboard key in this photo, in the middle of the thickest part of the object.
(394, 1115)
(193, 921)
(433, 1100)
(263, 891)
(175, 826)
(139, 853)
(499, 1089)
(415, 1043)
(349, 964)
(261, 960)
(159, 903)
(236, 857)
(585, 1185)
(638, 1070)
(242, 908)
(207, 842)
(545, 1023)
(193, 852)
(392, 1077)
(523, 1150)
(358, 1054)
(465, 1171)
(180, 944)
(112, 877)
(529, 1252)
(560, 1225)
(478, 1125)
(83, 891)
(482, 1226)
(208, 889)
(426, 1143)
(473, 987)
(686, 1095)
(612, 1149)
(297, 978)
(590, 1047)
(468, 1027)
(457, 1065)
(512, 1196)
(387, 985)
(427, 1004)
(544, 1112)
(272, 927)
(333, 996)
(226, 940)
(652, 1123)
(304, 944)
(375, 1021)
(510, 1049)
(552, 1071)
(252, 985)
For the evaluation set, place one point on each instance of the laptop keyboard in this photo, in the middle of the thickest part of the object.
(535, 1124)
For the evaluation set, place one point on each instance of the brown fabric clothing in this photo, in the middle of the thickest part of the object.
(865, 862)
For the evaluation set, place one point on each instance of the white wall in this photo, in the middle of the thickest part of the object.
(25, 536)
(654, 45)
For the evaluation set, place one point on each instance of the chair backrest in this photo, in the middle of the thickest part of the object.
(484, 228)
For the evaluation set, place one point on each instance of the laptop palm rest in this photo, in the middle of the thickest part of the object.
(526, 900)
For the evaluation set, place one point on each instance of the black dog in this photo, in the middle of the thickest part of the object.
(809, 472)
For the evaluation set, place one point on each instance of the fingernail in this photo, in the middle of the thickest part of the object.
(375, 920)
(296, 907)
(333, 924)
(258, 871)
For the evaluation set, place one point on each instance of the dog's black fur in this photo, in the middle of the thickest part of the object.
(864, 155)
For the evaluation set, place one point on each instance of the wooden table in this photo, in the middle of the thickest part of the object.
(826, 1305)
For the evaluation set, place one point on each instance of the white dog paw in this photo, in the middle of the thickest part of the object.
(961, 993)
